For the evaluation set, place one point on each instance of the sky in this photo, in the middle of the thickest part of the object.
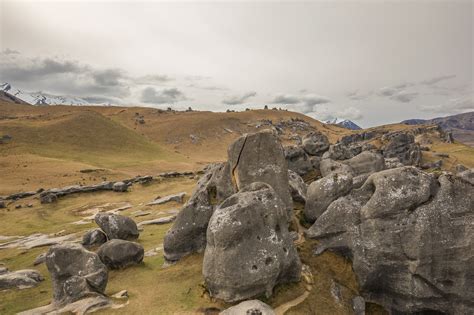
(373, 62)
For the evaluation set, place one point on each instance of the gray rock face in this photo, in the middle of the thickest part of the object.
(75, 273)
(2, 204)
(410, 238)
(402, 146)
(315, 143)
(119, 254)
(323, 192)
(467, 175)
(363, 165)
(188, 234)
(298, 160)
(117, 226)
(251, 307)
(95, 237)
(341, 151)
(297, 186)
(328, 166)
(20, 279)
(259, 157)
(249, 249)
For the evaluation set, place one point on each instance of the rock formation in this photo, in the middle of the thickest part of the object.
(251, 307)
(119, 254)
(20, 279)
(410, 237)
(249, 249)
(117, 226)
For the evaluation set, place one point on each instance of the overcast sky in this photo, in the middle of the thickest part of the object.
(373, 62)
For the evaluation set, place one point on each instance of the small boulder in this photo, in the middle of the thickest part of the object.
(2, 204)
(117, 226)
(20, 279)
(315, 143)
(95, 237)
(119, 254)
(75, 273)
(251, 307)
(298, 160)
(48, 198)
(120, 187)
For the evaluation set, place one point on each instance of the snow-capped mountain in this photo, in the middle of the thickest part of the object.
(40, 98)
(346, 123)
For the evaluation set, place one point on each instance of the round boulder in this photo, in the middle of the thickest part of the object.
(315, 143)
(117, 226)
(119, 254)
(94, 237)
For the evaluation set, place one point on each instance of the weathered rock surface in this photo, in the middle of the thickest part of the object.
(341, 151)
(251, 307)
(175, 197)
(95, 237)
(249, 249)
(117, 226)
(20, 279)
(315, 143)
(467, 175)
(410, 238)
(120, 187)
(158, 221)
(323, 192)
(259, 157)
(364, 164)
(297, 186)
(402, 145)
(119, 254)
(298, 160)
(188, 233)
(76, 273)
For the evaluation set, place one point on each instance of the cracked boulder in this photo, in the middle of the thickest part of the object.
(315, 143)
(259, 157)
(402, 145)
(410, 237)
(364, 164)
(188, 233)
(249, 249)
(119, 254)
(117, 226)
(76, 273)
(95, 237)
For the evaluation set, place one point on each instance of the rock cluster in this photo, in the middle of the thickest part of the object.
(398, 229)
(238, 214)
(401, 145)
(20, 279)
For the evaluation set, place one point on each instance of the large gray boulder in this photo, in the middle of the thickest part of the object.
(402, 145)
(329, 166)
(119, 254)
(341, 151)
(298, 187)
(251, 307)
(315, 143)
(117, 226)
(323, 192)
(249, 249)
(410, 238)
(76, 273)
(188, 233)
(259, 157)
(95, 237)
(298, 160)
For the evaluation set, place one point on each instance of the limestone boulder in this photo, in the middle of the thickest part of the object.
(117, 226)
(119, 254)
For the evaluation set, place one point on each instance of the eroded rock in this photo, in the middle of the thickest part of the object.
(297, 186)
(117, 226)
(251, 307)
(315, 143)
(119, 254)
(249, 249)
(95, 237)
(20, 279)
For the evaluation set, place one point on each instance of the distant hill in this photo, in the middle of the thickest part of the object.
(461, 125)
(345, 123)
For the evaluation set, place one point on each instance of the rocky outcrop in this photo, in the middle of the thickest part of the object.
(20, 279)
(120, 187)
(315, 143)
(259, 157)
(249, 249)
(119, 254)
(402, 145)
(117, 226)
(174, 197)
(364, 164)
(76, 273)
(251, 307)
(410, 238)
(298, 187)
(342, 151)
(188, 233)
(95, 237)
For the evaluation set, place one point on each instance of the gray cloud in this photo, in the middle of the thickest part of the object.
(9, 51)
(239, 99)
(456, 105)
(313, 99)
(404, 97)
(286, 99)
(165, 96)
(325, 113)
(438, 79)
(108, 77)
(152, 79)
